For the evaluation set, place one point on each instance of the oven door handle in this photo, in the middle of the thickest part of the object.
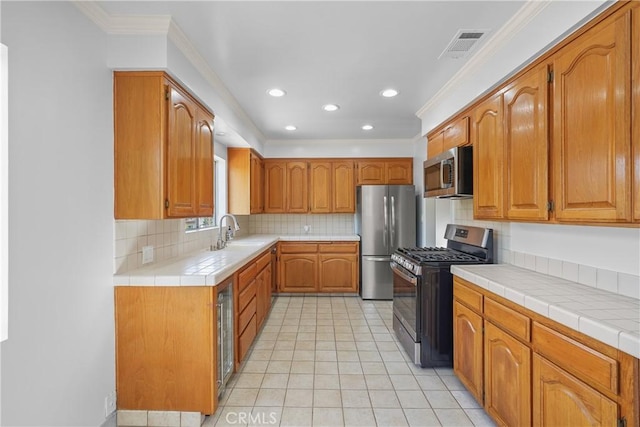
(409, 278)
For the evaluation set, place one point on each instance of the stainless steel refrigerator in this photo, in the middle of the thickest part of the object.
(385, 221)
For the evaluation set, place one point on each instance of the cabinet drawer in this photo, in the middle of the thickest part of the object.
(245, 316)
(246, 338)
(589, 365)
(263, 261)
(467, 296)
(245, 296)
(518, 324)
(246, 276)
(338, 248)
(298, 248)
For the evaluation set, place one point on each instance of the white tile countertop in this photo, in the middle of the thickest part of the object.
(210, 268)
(608, 317)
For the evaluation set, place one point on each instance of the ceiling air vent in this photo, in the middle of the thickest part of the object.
(463, 42)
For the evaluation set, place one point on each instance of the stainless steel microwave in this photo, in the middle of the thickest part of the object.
(450, 174)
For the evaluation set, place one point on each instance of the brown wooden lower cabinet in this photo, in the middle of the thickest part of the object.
(559, 399)
(252, 302)
(507, 378)
(318, 267)
(166, 343)
(526, 369)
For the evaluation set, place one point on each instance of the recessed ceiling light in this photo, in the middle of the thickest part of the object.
(220, 133)
(276, 92)
(330, 107)
(389, 93)
(290, 127)
(367, 127)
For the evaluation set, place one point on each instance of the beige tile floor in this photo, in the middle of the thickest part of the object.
(335, 361)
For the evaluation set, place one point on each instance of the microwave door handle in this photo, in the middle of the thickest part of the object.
(393, 222)
(442, 163)
(385, 230)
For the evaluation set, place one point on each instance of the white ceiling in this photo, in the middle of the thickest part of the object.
(328, 52)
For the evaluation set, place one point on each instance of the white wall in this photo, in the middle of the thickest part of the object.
(58, 365)
(340, 148)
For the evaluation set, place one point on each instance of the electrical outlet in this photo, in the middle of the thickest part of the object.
(307, 228)
(147, 254)
(110, 404)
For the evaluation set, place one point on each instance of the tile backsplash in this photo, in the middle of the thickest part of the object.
(168, 237)
(612, 281)
(318, 224)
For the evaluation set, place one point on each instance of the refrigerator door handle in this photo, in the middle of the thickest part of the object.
(385, 231)
(378, 258)
(393, 222)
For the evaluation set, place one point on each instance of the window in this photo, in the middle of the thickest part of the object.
(219, 199)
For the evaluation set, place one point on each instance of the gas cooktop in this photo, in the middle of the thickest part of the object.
(435, 254)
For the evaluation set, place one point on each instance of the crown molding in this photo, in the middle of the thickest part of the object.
(486, 52)
(164, 25)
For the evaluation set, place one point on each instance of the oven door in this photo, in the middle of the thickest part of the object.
(405, 300)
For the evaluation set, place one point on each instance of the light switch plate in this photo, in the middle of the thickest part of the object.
(147, 254)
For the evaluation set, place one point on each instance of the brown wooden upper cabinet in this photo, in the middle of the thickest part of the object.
(591, 133)
(384, 171)
(245, 171)
(526, 146)
(454, 134)
(285, 186)
(635, 109)
(331, 187)
(488, 158)
(163, 149)
(275, 186)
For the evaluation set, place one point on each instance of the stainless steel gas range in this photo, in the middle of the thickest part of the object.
(423, 292)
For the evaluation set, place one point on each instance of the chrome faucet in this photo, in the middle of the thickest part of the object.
(228, 235)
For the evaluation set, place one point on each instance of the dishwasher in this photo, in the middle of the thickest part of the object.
(225, 334)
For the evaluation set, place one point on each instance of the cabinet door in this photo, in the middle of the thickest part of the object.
(559, 399)
(635, 107)
(297, 189)
(371, 172)
(526, 146)
(591, 140)
(298, 273)
(261, 297)
(204, 163)
(467, 349)
(344, 188)
(435, 144)
(320, 187)
(456, 134)
(181, 155)
(507, 378)
(256, 187)
(399, 172)
(488, 159)
(275, 187)
(338, 273)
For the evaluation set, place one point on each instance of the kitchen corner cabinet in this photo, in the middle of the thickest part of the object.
(166, 343)
(454, 134)
(526, 369)
(245, 176)
(394, 171)
(488, 159)
(526, 146)
(318, 267)
(163, 149)
(591, 140)
(331, 187)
